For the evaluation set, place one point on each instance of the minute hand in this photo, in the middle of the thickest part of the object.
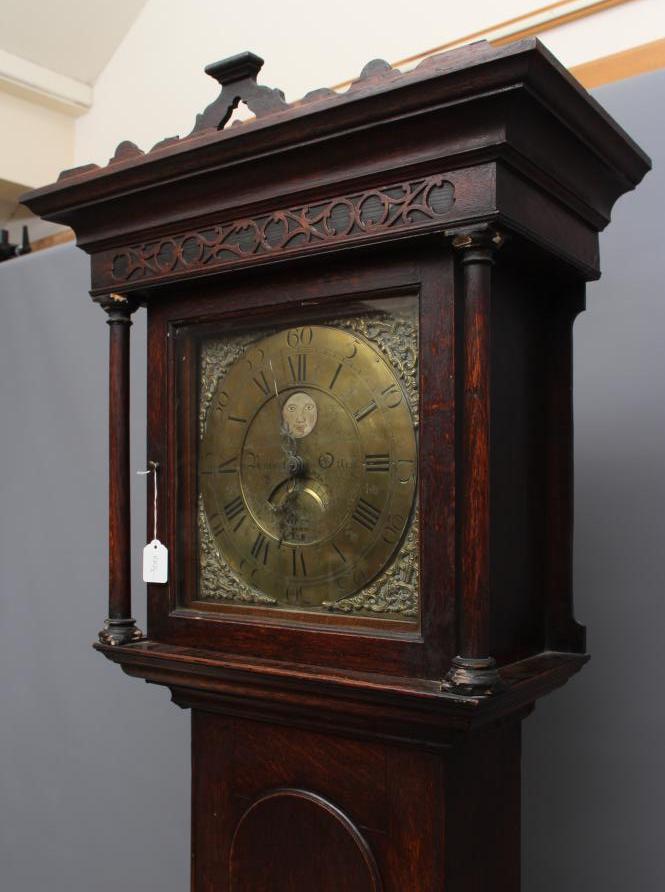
(293, 462)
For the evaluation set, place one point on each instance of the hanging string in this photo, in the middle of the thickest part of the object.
(153, 470)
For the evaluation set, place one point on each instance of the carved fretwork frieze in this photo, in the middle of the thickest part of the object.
(399, 206)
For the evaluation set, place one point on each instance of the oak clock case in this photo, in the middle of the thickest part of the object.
(307, 465)
(360, 312)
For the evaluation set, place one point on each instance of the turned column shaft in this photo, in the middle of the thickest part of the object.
(475, 540)
(473, 670)
(119, 627)
(120, 598)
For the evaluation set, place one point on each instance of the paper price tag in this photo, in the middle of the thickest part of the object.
(155, 562)
(155, 555)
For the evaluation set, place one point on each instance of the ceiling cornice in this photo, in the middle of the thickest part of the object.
(27, 80)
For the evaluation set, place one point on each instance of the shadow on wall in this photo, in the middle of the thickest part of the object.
(594, 786)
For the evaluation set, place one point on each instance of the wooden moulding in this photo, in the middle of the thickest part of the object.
(367, 706)
(522, 112)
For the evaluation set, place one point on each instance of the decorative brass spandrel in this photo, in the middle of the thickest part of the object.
(308, 466)
(218, 580)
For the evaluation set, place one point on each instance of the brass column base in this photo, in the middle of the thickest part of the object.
(473, 677)
(120, 631)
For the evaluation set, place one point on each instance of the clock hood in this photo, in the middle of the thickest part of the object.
(512, 113)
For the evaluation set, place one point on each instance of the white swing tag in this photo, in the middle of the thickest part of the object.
(155, 562)
(155, 555)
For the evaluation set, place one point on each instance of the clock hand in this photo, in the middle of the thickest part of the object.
(279, 411)
(294, 466)
(294, 463)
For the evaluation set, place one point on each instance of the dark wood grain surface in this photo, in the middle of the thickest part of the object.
(329, 752)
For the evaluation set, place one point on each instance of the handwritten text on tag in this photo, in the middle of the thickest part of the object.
(155, 562)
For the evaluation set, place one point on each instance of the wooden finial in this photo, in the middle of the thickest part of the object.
(237, 75)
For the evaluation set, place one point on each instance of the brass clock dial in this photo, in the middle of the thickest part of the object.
(308, 464)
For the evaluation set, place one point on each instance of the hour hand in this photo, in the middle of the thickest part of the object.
(294, 464)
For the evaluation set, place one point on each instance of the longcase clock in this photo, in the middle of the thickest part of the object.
(360, 310)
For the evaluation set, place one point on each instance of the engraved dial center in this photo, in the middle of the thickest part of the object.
(309, 503)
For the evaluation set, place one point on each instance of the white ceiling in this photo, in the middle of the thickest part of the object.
(73, 37)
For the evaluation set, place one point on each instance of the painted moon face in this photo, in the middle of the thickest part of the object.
(299, 414)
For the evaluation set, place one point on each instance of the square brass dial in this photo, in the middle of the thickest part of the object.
(308, 464)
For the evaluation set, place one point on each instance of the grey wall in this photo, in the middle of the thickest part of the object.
(594, 774)
(94, 766)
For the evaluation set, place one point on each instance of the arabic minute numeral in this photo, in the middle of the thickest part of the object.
(406, 470)
(223, 399)
(393, 528)
(299, 337)
(392, 396)
(254, 356)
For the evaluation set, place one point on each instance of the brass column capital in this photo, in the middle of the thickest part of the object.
(118, 307)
